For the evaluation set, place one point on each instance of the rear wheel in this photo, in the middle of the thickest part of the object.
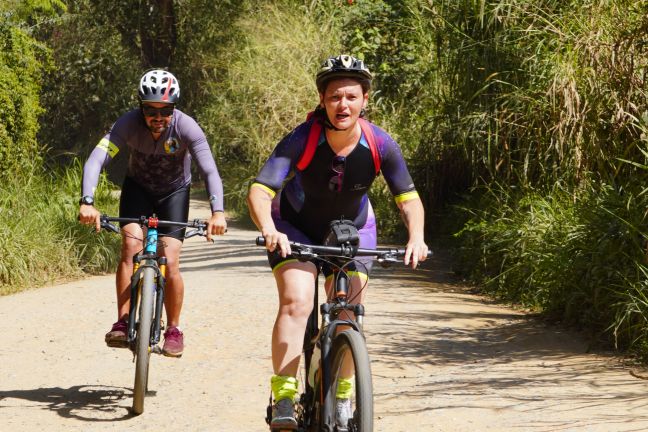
(350, 369)
(143, 341)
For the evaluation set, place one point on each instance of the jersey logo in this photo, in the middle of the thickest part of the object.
(313, 137)
(171, 145)
(358, 187)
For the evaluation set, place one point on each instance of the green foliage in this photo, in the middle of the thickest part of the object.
(207, 31)
(538, 106)
(94, 78)
(266, 88)
(40, 238)
(32, 11)
(21, 65)
(581, 258)
(540, 90)
(545, 100)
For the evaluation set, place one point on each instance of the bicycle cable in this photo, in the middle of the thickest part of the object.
(341, 269)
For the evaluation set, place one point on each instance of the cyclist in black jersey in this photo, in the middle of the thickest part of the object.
(332, 185)
(162, 141)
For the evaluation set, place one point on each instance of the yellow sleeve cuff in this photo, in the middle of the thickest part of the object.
(406, 196)
(265, 188)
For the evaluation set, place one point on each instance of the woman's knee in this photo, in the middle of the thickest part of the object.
(295, 306)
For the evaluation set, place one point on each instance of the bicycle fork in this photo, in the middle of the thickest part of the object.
(135, 295)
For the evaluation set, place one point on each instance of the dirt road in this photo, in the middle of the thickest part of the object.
(443, 359)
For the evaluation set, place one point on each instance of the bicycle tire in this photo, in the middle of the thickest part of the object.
(351, 342)
(143, 340)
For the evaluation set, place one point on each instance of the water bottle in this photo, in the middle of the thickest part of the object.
(314, 364)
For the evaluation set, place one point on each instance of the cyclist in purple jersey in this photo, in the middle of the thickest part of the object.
(332, 186)
(162, 141)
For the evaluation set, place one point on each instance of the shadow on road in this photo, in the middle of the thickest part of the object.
(87, 403)
(445, 349)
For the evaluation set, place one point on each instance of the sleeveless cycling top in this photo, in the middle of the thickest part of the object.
(160, 166)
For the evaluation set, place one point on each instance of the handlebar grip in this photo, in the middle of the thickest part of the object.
(260, 241)
(401, 253)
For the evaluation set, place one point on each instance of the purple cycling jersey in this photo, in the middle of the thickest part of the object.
(331, 187)
(159, 166)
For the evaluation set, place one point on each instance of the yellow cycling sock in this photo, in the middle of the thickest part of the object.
(283, 387)
(344, 388)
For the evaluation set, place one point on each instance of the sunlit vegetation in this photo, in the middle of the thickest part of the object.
(525, 125)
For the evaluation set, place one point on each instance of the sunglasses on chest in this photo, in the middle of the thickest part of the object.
(337, 165)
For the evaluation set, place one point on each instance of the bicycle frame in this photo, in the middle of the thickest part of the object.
(317, 410)
(148, 259)
(147, 297)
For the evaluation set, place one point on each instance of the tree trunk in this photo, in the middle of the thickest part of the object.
(157, 28)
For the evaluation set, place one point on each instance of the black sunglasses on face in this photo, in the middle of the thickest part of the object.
(150, 111)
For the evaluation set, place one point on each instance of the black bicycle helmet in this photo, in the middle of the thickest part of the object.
(342, 66)
(159, 86)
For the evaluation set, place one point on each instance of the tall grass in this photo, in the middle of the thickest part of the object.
(268, 90)
(581, 261)
(531, 109)
(544, 100)
(40, 238)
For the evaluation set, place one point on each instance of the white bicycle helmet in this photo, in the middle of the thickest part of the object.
(342, 66)
(159, 86)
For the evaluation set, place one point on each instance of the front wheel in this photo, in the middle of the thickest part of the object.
(143, 342)
(351, 380)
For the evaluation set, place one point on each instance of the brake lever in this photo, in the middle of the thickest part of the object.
(110, 227)
(194, 232)
(304, 254)
(387, 260)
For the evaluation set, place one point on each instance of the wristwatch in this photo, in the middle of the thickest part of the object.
(87, 200)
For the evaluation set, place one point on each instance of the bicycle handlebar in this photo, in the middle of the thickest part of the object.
(306, 251)
(152, 222)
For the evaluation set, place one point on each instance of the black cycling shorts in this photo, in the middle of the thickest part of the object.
(136, 201)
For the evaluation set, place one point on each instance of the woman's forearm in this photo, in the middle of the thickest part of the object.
(414, 217)
(260, 204)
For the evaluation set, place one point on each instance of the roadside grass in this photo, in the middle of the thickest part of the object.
(40, 238)
(580, 260)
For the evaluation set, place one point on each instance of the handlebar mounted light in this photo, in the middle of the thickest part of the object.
(153, 222)
(343, 232)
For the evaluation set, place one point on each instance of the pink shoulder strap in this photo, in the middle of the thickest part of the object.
(371, 140)
(311, 145)
(313, 137)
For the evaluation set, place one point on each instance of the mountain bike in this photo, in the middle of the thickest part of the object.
(147, 292)
(336, 347)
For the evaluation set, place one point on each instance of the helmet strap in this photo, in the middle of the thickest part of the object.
(321, 112)
(327, 123)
